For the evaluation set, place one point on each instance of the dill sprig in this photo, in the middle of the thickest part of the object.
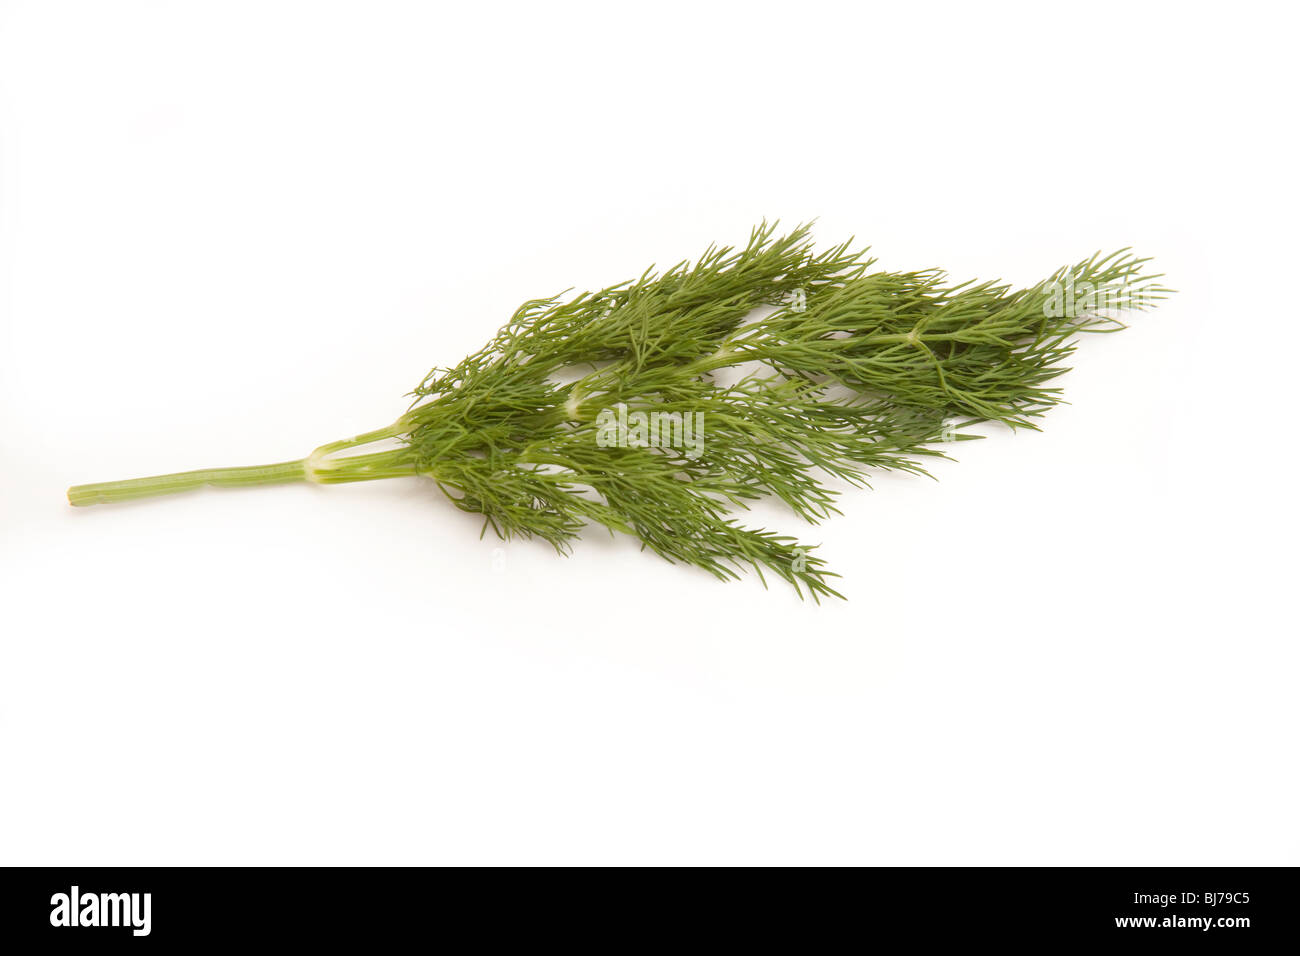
(847, 371)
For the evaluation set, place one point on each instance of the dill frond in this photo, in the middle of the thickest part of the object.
(848, 371)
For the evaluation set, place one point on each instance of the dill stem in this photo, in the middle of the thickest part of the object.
(380, 464)
(111, 491)
(318, 467)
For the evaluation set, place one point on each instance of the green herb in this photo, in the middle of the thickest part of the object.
(607, 408)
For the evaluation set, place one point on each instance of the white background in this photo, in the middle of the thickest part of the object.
(232, 231)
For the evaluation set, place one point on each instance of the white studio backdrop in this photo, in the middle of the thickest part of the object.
(230, 232)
